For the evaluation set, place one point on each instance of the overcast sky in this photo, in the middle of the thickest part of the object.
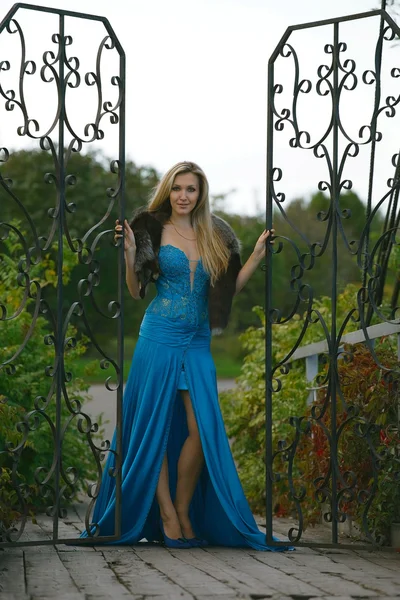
(197, 85)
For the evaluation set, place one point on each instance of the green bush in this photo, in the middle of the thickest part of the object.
(244, 413)
(28, 399)
(364, 389)
(9, 417)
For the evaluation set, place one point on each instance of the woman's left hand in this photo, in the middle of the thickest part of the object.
(260, 247)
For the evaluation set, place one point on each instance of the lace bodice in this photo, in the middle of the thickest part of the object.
(178, 297)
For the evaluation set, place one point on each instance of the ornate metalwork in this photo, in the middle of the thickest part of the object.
(61, 72)
(333, 416)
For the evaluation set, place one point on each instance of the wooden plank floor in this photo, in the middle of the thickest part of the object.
(144, 572)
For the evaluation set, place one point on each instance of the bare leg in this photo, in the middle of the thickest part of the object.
(168, 514)
(190, 464)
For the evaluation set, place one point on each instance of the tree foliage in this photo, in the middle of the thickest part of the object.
(91, 203)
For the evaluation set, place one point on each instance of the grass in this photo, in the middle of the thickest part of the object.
(227, 362)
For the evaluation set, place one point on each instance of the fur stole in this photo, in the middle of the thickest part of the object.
(147, 228)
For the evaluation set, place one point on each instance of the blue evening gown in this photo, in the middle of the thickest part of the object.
(173, 352)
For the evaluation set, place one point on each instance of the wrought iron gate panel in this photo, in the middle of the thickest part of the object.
(331, 420)
(60, 410)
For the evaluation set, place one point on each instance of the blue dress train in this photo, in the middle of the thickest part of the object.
(173, 352)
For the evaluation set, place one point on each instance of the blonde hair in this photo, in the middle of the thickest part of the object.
(214, 253)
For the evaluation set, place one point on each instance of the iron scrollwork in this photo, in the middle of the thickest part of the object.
(336, 487)
(58, 410)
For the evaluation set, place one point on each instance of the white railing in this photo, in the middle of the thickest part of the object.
(311, 352)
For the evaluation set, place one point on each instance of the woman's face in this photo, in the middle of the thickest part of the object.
(184, 193)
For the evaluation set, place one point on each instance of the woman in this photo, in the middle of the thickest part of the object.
(178, 475)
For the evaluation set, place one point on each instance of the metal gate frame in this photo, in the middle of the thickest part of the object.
(64, 68)
(334, 76)
(62, 71)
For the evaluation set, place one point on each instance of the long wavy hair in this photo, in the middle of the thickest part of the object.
(213, 251)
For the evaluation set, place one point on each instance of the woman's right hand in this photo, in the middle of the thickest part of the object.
(129, 238)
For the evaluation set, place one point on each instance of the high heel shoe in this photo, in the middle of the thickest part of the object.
(196, 542)
(171, 543)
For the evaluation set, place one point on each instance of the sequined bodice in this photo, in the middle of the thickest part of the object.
(178, 298)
